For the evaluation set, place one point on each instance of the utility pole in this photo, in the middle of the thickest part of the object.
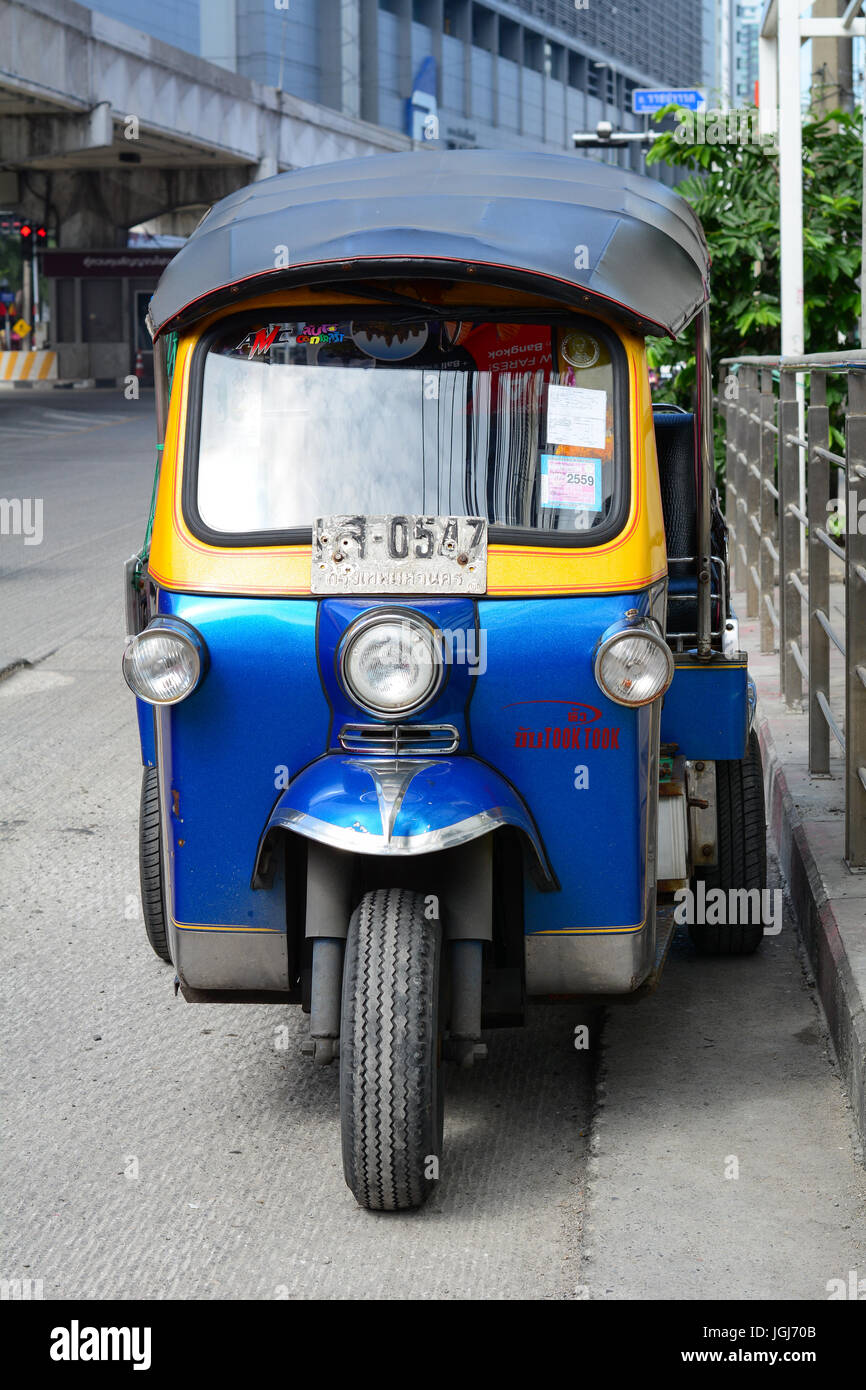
(790, 177)
(782, 31)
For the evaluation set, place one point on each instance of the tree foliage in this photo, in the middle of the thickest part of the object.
(734, 189)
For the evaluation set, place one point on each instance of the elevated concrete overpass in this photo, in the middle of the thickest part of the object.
(103, 127)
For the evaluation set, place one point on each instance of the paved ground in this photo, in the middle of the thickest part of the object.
(807, 815)
(157, 1149)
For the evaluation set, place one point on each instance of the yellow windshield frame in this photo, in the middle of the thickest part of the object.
(631, 560)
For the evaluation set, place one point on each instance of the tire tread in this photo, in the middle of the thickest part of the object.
(388, 1050)
(742, 845)
(150, 865)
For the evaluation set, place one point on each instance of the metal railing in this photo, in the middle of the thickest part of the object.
(779, 502)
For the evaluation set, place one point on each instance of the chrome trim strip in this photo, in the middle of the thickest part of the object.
(752, 701)
(399, 739)
(362, 842)
(391, 781)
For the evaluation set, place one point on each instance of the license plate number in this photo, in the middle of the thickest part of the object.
(400, 555)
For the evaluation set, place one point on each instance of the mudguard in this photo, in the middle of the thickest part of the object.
(401, 806)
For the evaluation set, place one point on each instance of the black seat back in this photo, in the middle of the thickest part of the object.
(677, 456)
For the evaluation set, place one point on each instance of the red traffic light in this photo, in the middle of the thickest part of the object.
(26, 231)
(41, 234)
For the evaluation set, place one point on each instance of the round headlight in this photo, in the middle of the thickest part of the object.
(162, 665)
(391, 663)
(634, 666)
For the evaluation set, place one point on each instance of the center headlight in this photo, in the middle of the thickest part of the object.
(391, 663)
(634, 665)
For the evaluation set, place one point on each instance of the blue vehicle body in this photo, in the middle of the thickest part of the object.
(540, 749)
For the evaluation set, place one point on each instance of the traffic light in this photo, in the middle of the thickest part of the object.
(29, 233)
(32, 235)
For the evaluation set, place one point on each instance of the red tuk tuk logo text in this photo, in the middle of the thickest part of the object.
(581, 730)
(574, 737)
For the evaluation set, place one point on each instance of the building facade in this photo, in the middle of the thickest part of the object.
(746, 16)
(523, 73)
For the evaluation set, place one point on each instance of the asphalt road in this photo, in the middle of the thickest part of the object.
(155, 1149)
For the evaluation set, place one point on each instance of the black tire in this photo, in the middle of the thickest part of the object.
(391, 1093)
(742, 830)
(150, 865)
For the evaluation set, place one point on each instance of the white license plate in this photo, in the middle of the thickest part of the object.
(399, 555)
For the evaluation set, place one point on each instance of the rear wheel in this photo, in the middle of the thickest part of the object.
(150, 865)
(391, 1095)
(742, 841)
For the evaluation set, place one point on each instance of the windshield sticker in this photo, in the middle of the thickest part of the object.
(319, 334)
(388, 342)
(262, 342)
(283, 335)
(576, 415)
(581, 349)
(505, 347)
(572, 484)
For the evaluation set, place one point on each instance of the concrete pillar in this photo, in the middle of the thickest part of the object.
(436, 14)
(218, 21)
(369, 28)
(96, 207)
(85, 215)
(340, 47)
(404, 41)
(495, 47)
(350, 49)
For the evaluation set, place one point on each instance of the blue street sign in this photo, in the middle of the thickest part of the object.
(7, 296)
(645, 99)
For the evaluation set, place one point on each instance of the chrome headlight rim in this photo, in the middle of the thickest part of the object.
(174, 627)
(642, 627)
(376, 617)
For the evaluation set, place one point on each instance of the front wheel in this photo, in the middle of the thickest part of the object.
(391, 1095)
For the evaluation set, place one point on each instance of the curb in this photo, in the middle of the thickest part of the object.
(835, 977)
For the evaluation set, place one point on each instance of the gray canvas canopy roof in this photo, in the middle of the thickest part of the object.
(571, 228)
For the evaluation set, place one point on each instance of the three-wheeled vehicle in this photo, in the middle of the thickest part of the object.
(439, 688)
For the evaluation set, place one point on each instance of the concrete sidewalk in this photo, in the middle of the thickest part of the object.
(806, 817)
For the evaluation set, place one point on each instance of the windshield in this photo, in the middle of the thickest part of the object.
(513, 422)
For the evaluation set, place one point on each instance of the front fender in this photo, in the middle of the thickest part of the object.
(400, 806)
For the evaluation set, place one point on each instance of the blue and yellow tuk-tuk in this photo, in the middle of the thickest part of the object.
(438, 683)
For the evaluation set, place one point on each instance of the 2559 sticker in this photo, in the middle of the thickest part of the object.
(572, 484)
